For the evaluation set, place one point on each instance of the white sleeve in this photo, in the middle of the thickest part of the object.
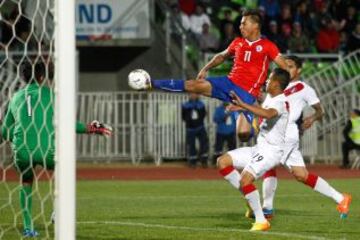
(265, 100)
(310, 97)
(207, 19)
(185, 20)
(279, 106)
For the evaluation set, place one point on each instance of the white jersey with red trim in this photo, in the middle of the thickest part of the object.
(299, 95)
(272, 131)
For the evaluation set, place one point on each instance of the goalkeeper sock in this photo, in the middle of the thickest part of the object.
(232, 176)
(268, 188)
(26, 206)
(169, 85)
(321, 186)
(253, 197)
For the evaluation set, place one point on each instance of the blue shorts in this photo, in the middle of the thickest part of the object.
(221, 87)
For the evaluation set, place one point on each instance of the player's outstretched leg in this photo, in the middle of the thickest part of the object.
(320, 185)
(253, 198)
(269, 186)
(200, 86)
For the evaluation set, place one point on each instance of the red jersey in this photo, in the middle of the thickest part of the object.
(251, 63)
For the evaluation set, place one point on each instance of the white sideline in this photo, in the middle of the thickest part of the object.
(146, 225)
(183, 196)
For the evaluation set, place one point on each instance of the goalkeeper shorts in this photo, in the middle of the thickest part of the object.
(26, 161)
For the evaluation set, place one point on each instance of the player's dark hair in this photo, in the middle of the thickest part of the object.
(298, 62)
(32, 73)
(282, 76)
(254, 15)
(356, 111)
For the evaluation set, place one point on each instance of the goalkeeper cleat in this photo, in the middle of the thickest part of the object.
(260, 226)
(99, 128)
(30, 233)
(268, 213)
(344, 205)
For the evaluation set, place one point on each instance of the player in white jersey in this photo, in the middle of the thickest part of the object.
(300, 95)
(266, 154)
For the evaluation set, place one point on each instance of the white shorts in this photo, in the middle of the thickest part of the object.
(292, 156)
(257, 159)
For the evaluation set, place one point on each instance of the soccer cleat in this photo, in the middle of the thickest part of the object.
(260, 226)
(344, 205)
(268, 213)
(30, 233)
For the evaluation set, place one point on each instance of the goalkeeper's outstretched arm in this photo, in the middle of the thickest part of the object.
(95, 127)
(7, 128)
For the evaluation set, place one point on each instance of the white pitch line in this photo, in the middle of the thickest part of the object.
(177, 197)
(146, 225)
(191, 197)
(185, 197)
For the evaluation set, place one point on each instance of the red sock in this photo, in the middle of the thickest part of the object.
(311, 180)
(225, 171)
(248, 189)
(270, 173)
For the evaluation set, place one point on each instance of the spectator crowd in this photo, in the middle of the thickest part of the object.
(297, 26)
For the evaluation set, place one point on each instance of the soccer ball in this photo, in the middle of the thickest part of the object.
(139, 79)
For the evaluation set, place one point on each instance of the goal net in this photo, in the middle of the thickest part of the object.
(31, 113)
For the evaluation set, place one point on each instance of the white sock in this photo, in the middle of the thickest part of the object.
(269, 186)
(231, 175)
(324, 188)
(253, 197)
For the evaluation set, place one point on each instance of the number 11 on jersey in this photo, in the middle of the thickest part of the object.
(247, 56)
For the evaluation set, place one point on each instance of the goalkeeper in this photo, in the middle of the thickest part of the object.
(28, 125)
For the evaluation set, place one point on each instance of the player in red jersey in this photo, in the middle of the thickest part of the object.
(252, 55)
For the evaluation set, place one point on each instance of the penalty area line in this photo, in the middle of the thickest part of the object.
(173, 227)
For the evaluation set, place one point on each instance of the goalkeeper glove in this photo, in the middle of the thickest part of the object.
(99, 128)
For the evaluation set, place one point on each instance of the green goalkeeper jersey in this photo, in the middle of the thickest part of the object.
(28, 123)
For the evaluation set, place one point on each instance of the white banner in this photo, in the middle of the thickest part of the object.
(112, 19)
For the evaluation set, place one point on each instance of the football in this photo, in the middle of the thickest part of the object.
(139, 79)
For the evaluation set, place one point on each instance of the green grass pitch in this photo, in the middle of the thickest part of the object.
(189, 210)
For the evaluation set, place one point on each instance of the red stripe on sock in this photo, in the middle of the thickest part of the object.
(248, 189)
(225, 171)
(311, 180)
(270, 173)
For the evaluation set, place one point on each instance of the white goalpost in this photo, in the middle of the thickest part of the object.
(38, 39)
(65, 103)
